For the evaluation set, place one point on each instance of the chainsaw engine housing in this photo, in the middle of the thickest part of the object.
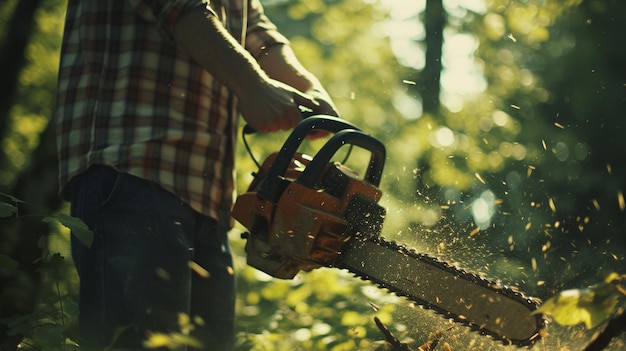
(300, 210)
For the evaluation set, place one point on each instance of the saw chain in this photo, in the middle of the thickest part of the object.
(501, 312)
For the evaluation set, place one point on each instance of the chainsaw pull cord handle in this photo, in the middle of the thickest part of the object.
(271, 188)
(313, 171)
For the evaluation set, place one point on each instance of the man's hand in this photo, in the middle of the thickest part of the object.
(271, 106)
(325, 105)
(280, 63)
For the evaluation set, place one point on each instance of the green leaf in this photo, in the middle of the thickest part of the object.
(187, 340)
(76, 225)
(118, 332)
(12, 198)
(158, 340)
(591, 305)
(50, 333)
(19, 326)
(7, 210)
(7, 262)
(614, 278)
(171, 341)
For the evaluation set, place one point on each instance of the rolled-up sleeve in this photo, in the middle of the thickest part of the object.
(165, 13)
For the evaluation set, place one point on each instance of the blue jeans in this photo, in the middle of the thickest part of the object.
(142, 271)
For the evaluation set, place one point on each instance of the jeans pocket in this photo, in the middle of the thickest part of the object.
(110, 183)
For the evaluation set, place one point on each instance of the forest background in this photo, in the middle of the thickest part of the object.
(504, 127)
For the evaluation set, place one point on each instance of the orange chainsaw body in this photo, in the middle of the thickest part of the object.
(303, 225)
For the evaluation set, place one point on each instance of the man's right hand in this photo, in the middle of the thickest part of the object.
(271, 106)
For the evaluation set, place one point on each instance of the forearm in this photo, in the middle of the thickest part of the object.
(280, 63)
(203, 38)
(269, 90)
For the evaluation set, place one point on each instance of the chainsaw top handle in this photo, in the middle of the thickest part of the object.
(315, 169)
(345, 133)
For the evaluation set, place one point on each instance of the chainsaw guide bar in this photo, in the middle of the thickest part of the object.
(306, 212)
(498, 311)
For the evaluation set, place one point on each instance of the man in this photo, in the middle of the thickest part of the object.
(146, 125)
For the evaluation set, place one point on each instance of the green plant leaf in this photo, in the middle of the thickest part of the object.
(187, 340)
(590, 306)
(7, 262)
(78, 228)
(7, 210)
(171, 341)
(20, 324)
(51, 333)
(12, 198)
(158, 340)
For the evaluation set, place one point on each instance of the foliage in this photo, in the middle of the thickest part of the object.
(176, 340)
(52, 326)
(77, 227)
(513, 185)
(9, 208)
(591, 306)
(34, 98)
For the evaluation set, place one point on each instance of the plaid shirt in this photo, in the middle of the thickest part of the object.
(129, 98)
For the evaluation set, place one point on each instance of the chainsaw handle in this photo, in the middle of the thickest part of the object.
(313, 171)
(271, 189)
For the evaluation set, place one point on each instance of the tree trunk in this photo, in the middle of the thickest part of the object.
(434, 23)
(429, 84)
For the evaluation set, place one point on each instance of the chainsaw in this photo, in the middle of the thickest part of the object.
(304, 212)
